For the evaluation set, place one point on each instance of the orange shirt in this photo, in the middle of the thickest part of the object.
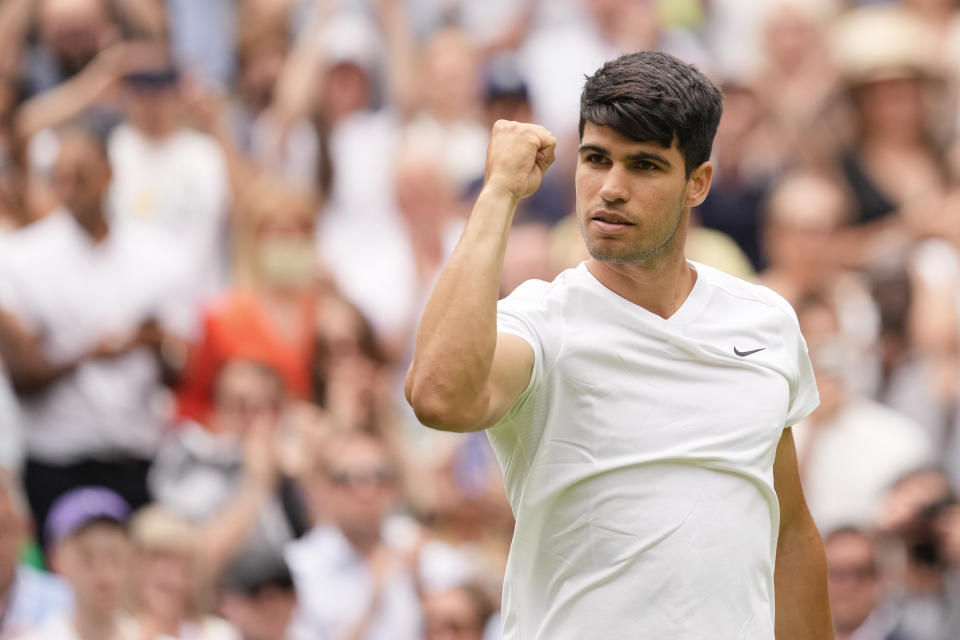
(238, 327)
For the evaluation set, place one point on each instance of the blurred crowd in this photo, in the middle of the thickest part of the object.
(220, 219)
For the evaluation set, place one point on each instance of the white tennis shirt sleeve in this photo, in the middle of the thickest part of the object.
(639, 460)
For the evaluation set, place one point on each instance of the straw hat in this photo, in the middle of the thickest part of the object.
(876, 43)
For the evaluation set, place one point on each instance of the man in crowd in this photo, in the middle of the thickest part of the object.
(88, 328)
(91, 550)
(360, 575)
(259, 598)
(855, 589)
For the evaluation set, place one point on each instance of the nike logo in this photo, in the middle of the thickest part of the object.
(743, 354)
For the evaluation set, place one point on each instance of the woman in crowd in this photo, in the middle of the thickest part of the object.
(269, 314)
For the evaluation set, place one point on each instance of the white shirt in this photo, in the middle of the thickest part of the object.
(334, 583)
(61, 627)
(639, 460)
(854, 459)
(73, 293)
(34, 597)
(179, 186)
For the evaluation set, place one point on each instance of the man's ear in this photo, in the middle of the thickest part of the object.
(698, 184)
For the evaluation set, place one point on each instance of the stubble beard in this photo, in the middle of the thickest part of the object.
(634, 253)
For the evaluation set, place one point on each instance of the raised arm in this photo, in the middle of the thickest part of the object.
(465, 376)
(800, 577)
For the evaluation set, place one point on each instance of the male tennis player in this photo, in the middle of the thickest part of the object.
(639, 404)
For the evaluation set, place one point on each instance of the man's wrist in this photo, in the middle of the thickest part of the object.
(497, 192)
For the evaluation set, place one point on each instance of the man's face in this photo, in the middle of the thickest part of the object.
(451, 616)
(633, 197)
(96, 563)
(243, 395)
(165, 582)
(852, 580)
(361, 485)
(264, 616)
(154, 111)
(81, 176)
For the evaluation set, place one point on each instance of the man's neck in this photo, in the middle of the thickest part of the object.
(364, 541)
(95, 226)
(94, 625)
(660, 287)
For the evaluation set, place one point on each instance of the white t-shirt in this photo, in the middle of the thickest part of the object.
(73, 293)
(178, 186)
(639, 460)
(854, 459)
(335, 584)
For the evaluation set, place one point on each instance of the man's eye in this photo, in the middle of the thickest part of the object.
(646, 165)
(596, 158)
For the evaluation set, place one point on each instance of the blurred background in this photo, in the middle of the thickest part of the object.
(220, 220)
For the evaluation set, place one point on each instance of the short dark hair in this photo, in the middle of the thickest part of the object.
(653, 96)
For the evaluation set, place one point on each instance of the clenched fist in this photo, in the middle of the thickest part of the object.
(518, 156)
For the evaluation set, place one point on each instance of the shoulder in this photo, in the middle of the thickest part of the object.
(214, 628)
(55, 628)
(540, 293)
(47, 235)
(746, 295)
(314, 550)
(197, 142)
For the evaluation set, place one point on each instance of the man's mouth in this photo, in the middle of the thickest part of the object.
(607, 221)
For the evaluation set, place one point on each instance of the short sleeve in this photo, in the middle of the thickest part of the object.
(521, 314)
(804, 396)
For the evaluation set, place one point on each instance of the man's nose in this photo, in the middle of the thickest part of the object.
(614, 187)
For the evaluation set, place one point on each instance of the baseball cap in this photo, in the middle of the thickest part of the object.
(253, 572)
(152, 79)
(504, 80)
(79, 507)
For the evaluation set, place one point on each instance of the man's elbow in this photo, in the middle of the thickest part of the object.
(438, 411)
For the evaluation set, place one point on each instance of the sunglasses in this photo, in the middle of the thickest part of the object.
(353, 479)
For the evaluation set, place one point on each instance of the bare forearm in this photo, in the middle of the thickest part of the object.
(401, 59)
(15, 17)
(458, 331)
(62, 103)
(802, 605)
(225, 534)
(28, 369)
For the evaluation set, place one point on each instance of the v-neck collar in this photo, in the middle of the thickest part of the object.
(692, 304)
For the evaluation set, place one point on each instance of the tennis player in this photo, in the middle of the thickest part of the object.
(639, 404)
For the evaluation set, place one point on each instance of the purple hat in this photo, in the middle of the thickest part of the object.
(78, 507)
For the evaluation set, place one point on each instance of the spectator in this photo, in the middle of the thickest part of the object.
(460, 613)
(803, 214)
(90, 548)
(29, 596)
(94, 318)
(260, 599)
(350, 380)
(855, 587)
(850, 449)
(895, 161)
(172, 586)
(268, 316)
(451, 107)
(226, 476)
(359, 575)
(927, 595)
(168, 176)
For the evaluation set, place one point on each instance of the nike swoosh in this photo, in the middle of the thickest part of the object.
(746, 353)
